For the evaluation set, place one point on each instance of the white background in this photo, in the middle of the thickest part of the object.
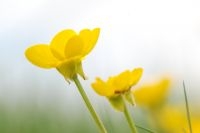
(163, 37)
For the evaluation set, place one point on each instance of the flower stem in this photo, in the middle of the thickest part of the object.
(89, 105)
(128, 117)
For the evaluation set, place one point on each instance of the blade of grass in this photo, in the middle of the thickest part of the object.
(187, 108)
(145, 129)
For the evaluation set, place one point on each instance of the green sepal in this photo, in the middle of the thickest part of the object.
(79, 70)
(117, 103)
(70, 69)
(130, 98)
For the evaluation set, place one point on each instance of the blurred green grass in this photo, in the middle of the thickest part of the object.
(29, 119)
(50, 119)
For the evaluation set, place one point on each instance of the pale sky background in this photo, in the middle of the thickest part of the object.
(163, 37)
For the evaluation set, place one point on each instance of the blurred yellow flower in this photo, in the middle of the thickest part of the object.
(152, 95)
(172, 119)
(65, 52)
(196, 125)
(118, 85)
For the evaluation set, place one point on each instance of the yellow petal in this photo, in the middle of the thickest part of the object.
(102, 88)
(121, 82)
(74, 47)
(40, 55)
(89, 38)
(58, 43)
(135, 76)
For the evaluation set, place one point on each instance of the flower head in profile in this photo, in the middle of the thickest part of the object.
(152, 95)
(118, 86)
(65, 52)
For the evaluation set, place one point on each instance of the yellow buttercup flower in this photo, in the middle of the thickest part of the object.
(65, 52)
(118, 85)
(152, 95)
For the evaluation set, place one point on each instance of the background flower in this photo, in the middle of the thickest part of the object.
(152, 95)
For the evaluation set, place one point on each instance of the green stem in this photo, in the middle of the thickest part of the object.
(128, 117)
(89, 105)
(187, 108)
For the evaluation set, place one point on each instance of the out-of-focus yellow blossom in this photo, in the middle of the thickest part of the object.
(152, 95)
(172, 119)
(65, 52)
(196, 125)
(117, 86)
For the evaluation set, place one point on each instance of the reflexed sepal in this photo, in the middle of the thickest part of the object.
(130, 98)
(79, 70)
